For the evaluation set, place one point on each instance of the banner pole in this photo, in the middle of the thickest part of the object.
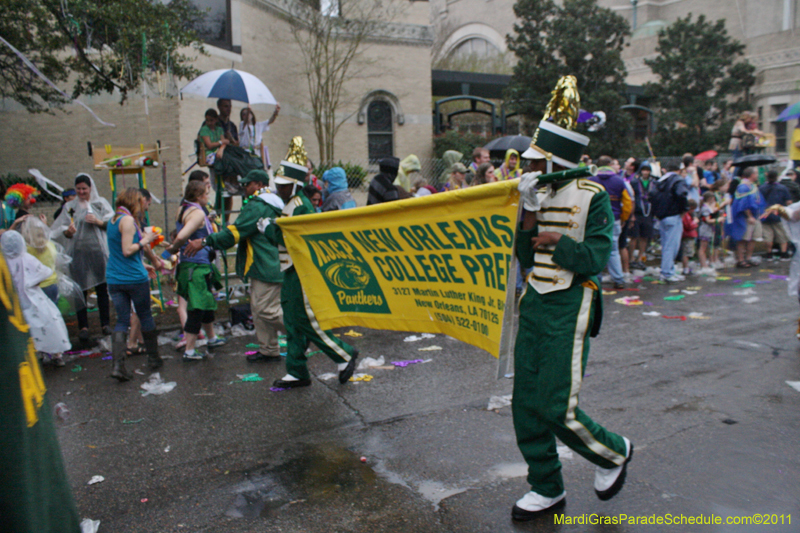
(505, 356)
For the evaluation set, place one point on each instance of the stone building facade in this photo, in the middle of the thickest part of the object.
(394, 72)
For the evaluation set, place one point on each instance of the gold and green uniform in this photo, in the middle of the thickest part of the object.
(256, 256)
(301, 325)
(560, 308)
(35, 495)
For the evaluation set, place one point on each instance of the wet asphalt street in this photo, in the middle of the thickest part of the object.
(705, 401)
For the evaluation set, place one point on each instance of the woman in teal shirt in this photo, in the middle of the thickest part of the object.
(127, 277)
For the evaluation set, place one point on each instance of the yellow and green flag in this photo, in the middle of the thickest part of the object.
(436, 264)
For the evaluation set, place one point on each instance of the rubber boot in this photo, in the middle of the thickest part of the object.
(118, 345)
(154, 361)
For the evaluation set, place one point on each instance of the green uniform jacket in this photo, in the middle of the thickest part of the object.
(586, 259)
(256, 257)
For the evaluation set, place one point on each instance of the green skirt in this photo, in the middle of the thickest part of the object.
(195, 285)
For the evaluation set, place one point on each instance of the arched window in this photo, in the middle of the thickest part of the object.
(476, 47)
(380, 133)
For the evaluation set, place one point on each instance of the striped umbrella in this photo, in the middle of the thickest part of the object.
(231, 84)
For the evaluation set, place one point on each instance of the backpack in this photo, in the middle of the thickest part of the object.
(662, 197)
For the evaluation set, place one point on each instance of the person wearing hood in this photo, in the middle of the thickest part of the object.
(668, 197)
(449, 158)
(458, 178)
(511, 167)
(622, 207)
(81, 229)
(408, 166)
(47, 327)
(336, 195)
(382, 188)
(256, 260)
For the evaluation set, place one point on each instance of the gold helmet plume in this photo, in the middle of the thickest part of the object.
(297, 152)
(565, 104)
(554, 139)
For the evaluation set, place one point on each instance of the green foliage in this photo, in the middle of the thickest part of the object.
(7, 180)
(458, 141)
(702, 84)
(355, 173)
(578, 38)
(97, 45)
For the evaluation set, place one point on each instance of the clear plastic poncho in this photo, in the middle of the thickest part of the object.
(43, 317)
(37, 237)
(88, 248)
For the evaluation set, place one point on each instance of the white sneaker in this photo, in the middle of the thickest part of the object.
(755, 260)
(609, 481)
(533, 504)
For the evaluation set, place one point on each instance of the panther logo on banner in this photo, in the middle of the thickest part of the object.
(349, 278)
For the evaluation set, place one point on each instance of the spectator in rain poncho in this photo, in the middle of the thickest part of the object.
(336, 196)
(408, 166)
(81, 230)
(47, 328)
(511, 167)
(449, 158)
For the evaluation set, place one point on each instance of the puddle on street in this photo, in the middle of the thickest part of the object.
(311, 472)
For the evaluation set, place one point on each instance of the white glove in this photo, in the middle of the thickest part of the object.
(263, 223)
(528, 191)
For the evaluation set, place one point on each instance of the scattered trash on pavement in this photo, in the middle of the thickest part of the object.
(751, 300)
(675, 298)
(746, 292)
(361, 377)
(125, 421)
(61, 411)
(353, 333)
(498, 402)
(652, 313)
(328, 375)
(430, 349)
(414, 338)
(794, 384)
(248, 378)
(155, 385)
(681, 317)
(369, 362)
(406, 363)
(77, 368)
(89, 526)
(96, 479)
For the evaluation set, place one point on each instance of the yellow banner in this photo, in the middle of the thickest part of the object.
(435, 264)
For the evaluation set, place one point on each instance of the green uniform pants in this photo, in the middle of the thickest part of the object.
(549, 360)
(302, 328)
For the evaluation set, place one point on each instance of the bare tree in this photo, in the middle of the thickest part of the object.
(332, 36)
